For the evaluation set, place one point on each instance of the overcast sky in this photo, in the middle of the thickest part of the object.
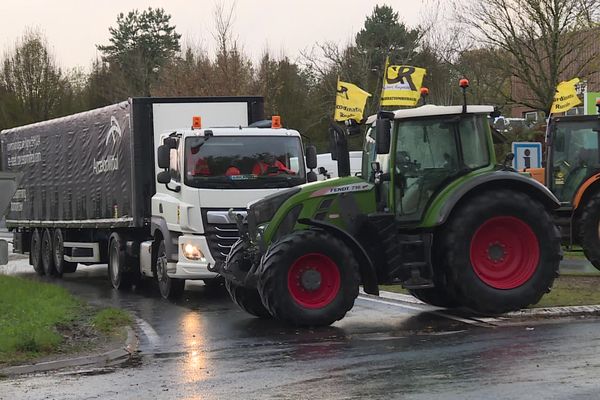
(74, 27)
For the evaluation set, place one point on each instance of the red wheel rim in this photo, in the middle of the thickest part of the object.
(314, 280)
(504, 252)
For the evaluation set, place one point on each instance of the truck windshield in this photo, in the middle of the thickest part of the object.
(248, 162)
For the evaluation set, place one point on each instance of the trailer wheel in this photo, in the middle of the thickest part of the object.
(502, 250)
(117, 259)
(308, 278)
(589, 230)
(35, 252)
(170, 288)
(48, 255)
(58, 248)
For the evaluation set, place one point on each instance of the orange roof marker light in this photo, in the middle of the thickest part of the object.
(275, 122)
(196, 122)
(424, 91)
(464, 83)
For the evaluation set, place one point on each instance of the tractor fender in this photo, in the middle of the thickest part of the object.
(583, 189)
(367, 271)
(495, 180)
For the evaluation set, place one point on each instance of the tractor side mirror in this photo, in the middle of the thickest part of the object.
(383, 135)
(311, 176)
(163, 177)
(311, 157)
(164, 156)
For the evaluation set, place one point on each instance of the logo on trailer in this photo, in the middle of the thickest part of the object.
(115, 130)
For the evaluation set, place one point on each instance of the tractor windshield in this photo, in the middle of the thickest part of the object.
(576, 156)
(430, 153)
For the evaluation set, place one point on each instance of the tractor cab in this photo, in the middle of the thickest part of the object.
(573, 154)
(415, 153)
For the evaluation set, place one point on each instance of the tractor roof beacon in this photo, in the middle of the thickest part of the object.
(432, 211)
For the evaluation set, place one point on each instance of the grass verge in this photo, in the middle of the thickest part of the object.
(29, 313)
(39, 319)
(568, 290)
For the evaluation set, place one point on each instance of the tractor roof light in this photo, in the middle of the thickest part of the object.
(275, 122)
(463, 83)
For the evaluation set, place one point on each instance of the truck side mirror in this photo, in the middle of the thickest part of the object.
(163, 177)
(311, 157)
(383, 135)
(164, 156)
(170, 142)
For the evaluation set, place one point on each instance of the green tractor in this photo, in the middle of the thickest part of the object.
(432, 212)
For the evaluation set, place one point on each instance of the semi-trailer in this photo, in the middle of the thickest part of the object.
(145, 185)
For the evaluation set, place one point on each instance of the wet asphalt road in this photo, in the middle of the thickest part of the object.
(205, 348)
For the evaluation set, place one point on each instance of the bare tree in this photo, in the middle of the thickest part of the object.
(538, 42)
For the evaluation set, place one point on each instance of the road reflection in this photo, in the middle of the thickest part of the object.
(195, 365)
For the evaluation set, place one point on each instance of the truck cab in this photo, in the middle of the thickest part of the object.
(205, 173)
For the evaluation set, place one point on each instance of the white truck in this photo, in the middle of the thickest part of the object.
(145, 185)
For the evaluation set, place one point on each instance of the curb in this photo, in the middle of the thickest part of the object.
(111, 357)
(565, 311)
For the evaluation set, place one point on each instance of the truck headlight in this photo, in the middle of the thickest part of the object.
(192, 252)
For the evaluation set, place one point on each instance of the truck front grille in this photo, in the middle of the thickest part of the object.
(220, 238)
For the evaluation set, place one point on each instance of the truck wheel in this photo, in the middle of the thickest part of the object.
(589, 230)
(117, 259)
(48, 255)
(503, 252)
(170, 288)
(308, 278)
(60, 264)
(35, 252)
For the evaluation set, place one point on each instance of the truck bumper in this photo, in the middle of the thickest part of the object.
(192, 269)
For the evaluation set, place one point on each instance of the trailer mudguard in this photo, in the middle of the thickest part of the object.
(367, 271)
(495, 180)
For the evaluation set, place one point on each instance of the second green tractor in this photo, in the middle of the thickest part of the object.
(433, 211)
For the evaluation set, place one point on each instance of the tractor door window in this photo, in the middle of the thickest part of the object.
(576, 157)
(426, 154)
(474, 131)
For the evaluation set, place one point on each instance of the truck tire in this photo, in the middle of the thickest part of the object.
(308, 278)
(62, 266)
(120, 277)
(48, 255)
(35, 252)
(170, 288)
(502, 250)
(247, 298)
(589, 230)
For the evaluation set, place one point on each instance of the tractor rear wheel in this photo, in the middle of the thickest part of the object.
(308, 278)
(441, 295)
(589, 230)
(502, 250)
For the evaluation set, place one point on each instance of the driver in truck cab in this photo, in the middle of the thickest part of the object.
(268, 164)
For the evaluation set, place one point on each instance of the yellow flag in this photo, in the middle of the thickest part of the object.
(349, 102)
(402, 85)
(566, 96)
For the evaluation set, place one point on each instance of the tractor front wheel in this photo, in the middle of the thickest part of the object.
(502, 250)
(589, 230)
(308, 278)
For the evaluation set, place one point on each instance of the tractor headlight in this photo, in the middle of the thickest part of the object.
(191, 251)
